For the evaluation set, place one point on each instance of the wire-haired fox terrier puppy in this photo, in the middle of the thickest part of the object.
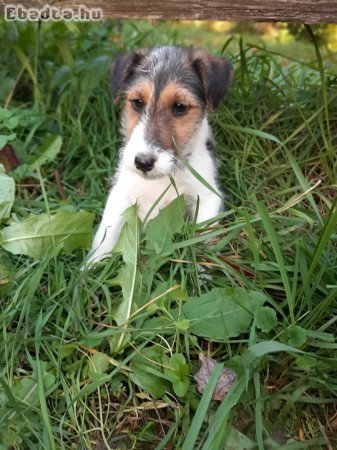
(167, 91)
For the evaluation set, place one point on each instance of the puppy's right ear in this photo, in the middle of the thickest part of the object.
(122, 70)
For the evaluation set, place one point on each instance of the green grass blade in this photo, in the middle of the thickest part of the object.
(328, 229)
(41, 390)
(217, 428)
(258, 411)
(264, 348)
(274, 241)
(304, 184)
(201, 412)
(252, 132)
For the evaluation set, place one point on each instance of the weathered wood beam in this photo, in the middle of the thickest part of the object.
(305, 11)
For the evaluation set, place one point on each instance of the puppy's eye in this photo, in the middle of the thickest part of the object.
(138, 104)
(179, 109)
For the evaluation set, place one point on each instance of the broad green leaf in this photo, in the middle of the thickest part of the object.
(178, 365)
(176, 369)
(238, 441)
(128, 246)
(164, 293)
(11, 434)
(7, 272)
(7, 193)
(183, 325)
(98, 363)
(19, 403)
(266, 318)
(147, 372)
(34, 236)
(4, 138)
(45, 153)
(25, 389)
(295, 336)
(222, 312)
(216, 315)
(161, 229)
(306, 362)
(180, 387)
(5, 114)
(12, 122)
(97, 380)
(164, 324)
(128, 242)
(130, 288)
(67, 350)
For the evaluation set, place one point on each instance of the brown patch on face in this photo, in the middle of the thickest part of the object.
(143, 91)
(169, 130)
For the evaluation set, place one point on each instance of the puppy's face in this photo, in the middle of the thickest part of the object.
(167, 91)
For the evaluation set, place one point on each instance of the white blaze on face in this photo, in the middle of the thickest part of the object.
(137, 145)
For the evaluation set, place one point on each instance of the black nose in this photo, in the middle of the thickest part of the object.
(144, 162)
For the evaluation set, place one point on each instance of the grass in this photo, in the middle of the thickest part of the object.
(71, 378)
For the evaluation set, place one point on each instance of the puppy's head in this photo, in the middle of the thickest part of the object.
(167, 91)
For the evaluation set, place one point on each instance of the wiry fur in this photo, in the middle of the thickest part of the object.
(159, 79)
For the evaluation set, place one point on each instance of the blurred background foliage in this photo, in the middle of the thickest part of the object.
(289, 38)
(54, 43)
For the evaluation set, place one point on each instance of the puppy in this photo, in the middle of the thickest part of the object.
(167, 92)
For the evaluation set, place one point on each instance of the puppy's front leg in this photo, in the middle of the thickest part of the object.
(209, 207)
(109, 229)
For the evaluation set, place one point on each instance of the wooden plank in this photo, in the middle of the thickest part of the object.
(305, 11)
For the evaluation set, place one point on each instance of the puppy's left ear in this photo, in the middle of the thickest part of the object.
(216, 74)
